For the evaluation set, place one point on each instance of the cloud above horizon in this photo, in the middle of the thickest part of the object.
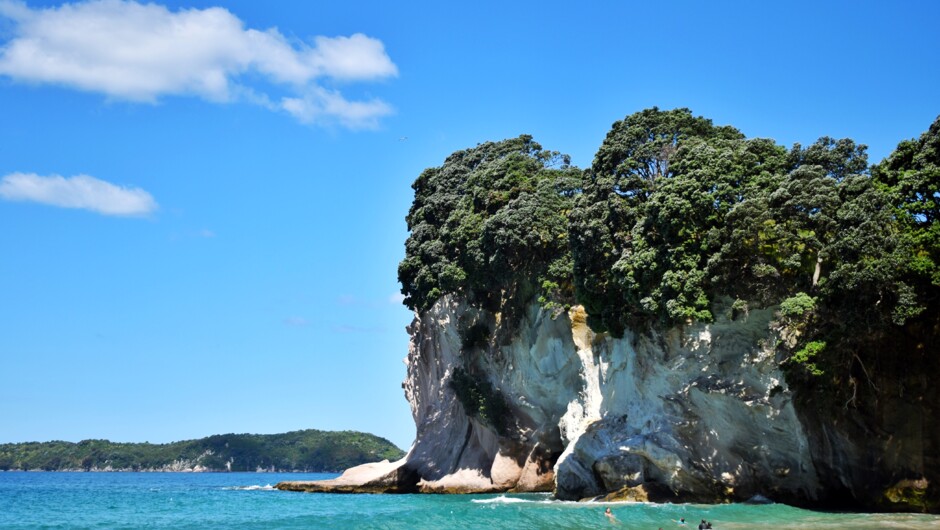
(81, 191)
(357, 330)
(352, 300)
(296, 322)
(142, 52)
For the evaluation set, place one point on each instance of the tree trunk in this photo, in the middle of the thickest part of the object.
(818, 270)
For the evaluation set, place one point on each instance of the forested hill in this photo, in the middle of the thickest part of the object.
(308, 450)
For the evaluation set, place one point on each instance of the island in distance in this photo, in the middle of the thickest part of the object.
(301, 451)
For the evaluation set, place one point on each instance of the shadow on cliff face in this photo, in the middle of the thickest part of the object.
(874, 421)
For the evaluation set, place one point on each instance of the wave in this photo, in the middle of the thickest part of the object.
(266, 487)
(502, 499)
(538, 499)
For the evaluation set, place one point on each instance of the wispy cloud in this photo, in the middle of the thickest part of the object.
(319, 103)
(142, 52)
(190, 235)
(347, 300)
(348, 328)
(81, 191)
(296, 322)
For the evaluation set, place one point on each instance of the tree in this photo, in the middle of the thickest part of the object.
(806, 202)
(489, 224)
(647, 223)
(912, 174)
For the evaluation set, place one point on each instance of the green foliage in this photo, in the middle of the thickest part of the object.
(911, 175)
(480, 400)
(650, 228)
(308, 450)
(797, 306)
(806, 355)
(490, 224)
(676, 211)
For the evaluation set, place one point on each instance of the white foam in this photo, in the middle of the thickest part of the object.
(266, 487)
(501, 500)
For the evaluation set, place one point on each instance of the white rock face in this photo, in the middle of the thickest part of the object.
(701, 411)
(534, 371)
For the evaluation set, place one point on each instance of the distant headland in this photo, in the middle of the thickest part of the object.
(298, 451)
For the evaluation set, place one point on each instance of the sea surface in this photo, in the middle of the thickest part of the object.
(37, 500)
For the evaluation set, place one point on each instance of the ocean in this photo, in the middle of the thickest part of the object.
(39, 500)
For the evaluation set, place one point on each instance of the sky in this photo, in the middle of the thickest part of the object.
(202, 204)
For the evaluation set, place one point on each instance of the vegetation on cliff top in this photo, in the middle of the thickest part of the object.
(490, 224)
(676, 212)
(308, 450)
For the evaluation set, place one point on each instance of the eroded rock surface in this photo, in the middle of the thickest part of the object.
(698, 413)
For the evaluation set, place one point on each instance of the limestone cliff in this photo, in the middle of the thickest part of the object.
(700, 412)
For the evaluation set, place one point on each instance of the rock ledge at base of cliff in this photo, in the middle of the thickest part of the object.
(378, 477)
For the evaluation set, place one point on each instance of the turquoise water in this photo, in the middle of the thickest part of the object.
(247, 501)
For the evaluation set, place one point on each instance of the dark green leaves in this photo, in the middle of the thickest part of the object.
(676, 212)
(650, 220)
(492, 219)
(912, 175)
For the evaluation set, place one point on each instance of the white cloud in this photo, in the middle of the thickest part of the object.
(81, 191)
(141, 52)
(355, 57)
(320, 105)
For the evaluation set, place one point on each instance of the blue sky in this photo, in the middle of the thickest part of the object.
(202, 204)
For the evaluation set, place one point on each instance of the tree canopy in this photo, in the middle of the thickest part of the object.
(911, 175)
(676, 213)
(491, 223)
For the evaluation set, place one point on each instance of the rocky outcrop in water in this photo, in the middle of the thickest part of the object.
(700, 413)
(763, 320)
